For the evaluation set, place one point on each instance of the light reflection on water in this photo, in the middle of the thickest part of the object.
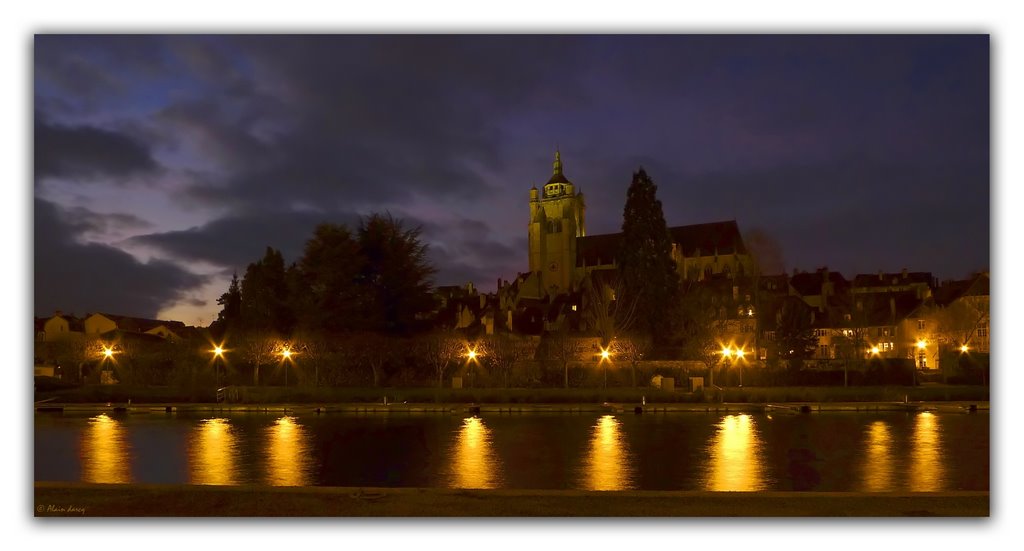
(105, 453)
(288, 457)
(213, 453)
(607, 465)
(926, 470)
(474, 464)
(923, 452)
(735, 463)
(878, 463)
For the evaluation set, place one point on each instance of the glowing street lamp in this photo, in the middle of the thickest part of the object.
(218, 352)
(108, 352)
(963, 348)
(874, 350)
(286, 355)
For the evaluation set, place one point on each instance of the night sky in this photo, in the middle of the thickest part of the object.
(165, 163)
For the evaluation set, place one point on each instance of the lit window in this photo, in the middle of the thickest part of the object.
(982, 331)
(920, 325)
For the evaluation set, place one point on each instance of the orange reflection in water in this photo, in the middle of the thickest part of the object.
(735, 459)
(287, 453)
(926, 470)
(607, 463)
(105, 455)
(474, 464)
(878, 465)
(212, 453)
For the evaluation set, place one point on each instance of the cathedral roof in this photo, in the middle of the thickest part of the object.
(720, 237)
(709, 239)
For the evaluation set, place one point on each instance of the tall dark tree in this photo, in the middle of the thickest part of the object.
(646, 268)
(701, 327)
(265, 300)
(230, 314)
(795, 333)
(324, 284)
(396, 277)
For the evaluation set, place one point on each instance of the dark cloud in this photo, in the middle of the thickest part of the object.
(82, 220)
(87, 152)
(346, 119)
(238, 240)
(86, 278)
(861, 152)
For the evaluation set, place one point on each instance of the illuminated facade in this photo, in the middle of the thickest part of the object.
(561, 254)
(557, 220)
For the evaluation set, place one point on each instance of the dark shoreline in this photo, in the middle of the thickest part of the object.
(784, 408)
(61, 499)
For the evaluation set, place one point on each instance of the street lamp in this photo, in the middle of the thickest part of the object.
(726, 356)
(286, 356)
(605, 356)
(218, 352)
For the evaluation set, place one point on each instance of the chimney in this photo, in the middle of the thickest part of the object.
(904, 273)
(880, 276)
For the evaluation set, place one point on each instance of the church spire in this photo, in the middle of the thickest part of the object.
(558, 162)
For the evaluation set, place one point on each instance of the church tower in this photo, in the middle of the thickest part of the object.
(556, 220)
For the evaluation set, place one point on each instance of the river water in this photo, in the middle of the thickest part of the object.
(873, 452)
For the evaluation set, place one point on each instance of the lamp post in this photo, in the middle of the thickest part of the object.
(218, 352)
(286, 356)
(471, 358)
(726, 356)
(605, 356)
(739, 362)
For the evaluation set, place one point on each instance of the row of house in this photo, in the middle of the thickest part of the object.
(908, 315)
(62, 326)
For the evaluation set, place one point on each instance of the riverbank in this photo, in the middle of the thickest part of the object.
(163, 500)
(319, 396)
(481, 409)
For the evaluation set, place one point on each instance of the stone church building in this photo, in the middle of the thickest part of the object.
(562, 255)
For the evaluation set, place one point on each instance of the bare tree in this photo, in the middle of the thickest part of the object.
(374, 350)
(703, 328)
(504, 350)
(632, 348)
(258, 348)
(315, 350)
(609, 311)
(441, 349)
(562, 348)
(959, 322)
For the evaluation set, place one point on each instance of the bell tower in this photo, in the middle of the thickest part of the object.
(557, 218)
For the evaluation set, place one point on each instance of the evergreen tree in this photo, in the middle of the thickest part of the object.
(265, 300)
(646, 268)
(795, 333)
(231, 303)
(324, 283)
(396, 277)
